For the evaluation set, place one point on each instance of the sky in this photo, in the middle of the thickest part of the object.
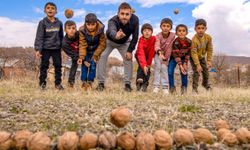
(228, 21)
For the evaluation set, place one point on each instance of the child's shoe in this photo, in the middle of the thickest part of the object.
(165, 91)
(172, 90)
(156, 90)
(59, 87)
(183, 90)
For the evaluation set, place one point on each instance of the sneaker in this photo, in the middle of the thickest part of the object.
(208, 88)
(156, 90)
(59, 87)
(139, 80)
(138, 86)
(70, 84)
(144, 88)
(43, 86)
(195, 90)
(172, 90)
(165, 91)
(128, 87)
(183, 90)
(100, 87)
(89, 86)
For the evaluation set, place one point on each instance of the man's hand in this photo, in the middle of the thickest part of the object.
(199, 68)
(120, 35)
(145, 70)
(183, 71)
(38, 54)
(79, 61)
(128, 56)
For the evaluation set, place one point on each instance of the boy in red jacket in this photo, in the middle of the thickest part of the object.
(144, 56)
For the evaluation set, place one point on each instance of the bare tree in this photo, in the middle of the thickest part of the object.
(220, 64)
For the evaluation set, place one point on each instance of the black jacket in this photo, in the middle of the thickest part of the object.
(132, 27)
(49, 35)
(71, 46)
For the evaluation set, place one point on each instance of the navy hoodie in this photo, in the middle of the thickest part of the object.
(71, 46)
(49, 35)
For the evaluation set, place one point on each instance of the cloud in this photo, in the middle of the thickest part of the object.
(228, 23)
(38, 10)
(101, 1)
(17, 33)
(79, 13)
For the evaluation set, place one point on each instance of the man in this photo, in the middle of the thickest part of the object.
(120, 28)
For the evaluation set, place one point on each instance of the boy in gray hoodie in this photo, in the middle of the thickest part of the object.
(48, 42)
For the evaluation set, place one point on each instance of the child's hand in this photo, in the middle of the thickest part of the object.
(209, 65)
(145, 70)
(199, 69)
(38, 54)
(79, 61)
(128, 56)
(183, 71)
(185, 66)
(86, 64)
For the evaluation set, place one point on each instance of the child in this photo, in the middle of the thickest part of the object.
(180, 55)
(48, 44)
(92, 44)
(201, 46)
(144, 56)
(163, 46)
(70, 45)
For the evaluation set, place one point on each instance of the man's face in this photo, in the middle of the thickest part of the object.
(166, 27)
(200, 30)
(181, 32)
(147, 33)
(124, 15)
(50, 10)
(91, 26)
(70, 30)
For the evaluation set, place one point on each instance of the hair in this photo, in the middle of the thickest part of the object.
(146, 26)
(181, 25)
(91, 18)
(50, 3)
(124, 5)
(168, 21)
(69, 23)
(200, 22)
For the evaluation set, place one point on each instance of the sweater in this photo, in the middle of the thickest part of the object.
(49, 35)
(131, 28)
(181, 50)
(201, 46)
(164, 44)
(145, 51)
(71, 46)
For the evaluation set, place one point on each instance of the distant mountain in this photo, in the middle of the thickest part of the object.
(232, 60)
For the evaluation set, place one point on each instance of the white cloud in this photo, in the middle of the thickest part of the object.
(150, 3)
(229, 25)
(17, 33)
(102, 1)
(38, 10)
(79, 13)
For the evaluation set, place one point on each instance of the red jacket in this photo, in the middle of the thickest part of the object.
(145, 51)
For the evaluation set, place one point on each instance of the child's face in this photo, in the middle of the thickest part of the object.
(70, 30)
(50, 10)
(91, 26)
(147, 33)
(181, 32)
(200, 30)
(165, 27)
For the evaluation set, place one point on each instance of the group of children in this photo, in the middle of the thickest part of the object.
(86, 45)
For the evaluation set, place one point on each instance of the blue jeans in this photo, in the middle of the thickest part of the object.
(88, 73)
(171, 68)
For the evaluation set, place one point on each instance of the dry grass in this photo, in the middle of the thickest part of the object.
(24, 106)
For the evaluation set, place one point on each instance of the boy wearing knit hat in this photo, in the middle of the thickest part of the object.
(92, 43)
(144, 56)
(163, 48)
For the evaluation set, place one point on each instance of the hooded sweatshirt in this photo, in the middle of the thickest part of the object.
(49, 35)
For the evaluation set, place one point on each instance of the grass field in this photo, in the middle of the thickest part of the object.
(24, 106)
